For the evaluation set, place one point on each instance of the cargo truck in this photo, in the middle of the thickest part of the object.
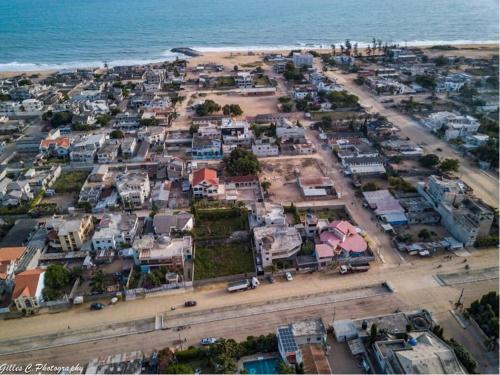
(345, 269)
(243, 284)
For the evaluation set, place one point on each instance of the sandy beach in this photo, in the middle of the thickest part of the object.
(241, 58)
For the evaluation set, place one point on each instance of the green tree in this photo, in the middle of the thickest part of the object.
(149, 121)
(97, 282)
(116, 134)
(207, 107)
(449, 165)
(265, 185)
(57, 276)
(370, 186)
(284, 368)
(426, 81)
(287, 107)
(61, 118)
(103, 120)
(178, 368)
(232, 109)
(429, 160)
(373, 333)
(241, 162)
(424, 234)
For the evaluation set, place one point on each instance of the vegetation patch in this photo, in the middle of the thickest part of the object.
(70, 182)
(223, 260)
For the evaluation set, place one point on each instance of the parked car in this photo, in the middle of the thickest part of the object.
(208, 341)
(96, 306)
(270, 279)
(189, 303)
(288, 276)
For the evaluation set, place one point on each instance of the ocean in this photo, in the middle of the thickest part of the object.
(54, 34)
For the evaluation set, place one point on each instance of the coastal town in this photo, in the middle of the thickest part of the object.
(305, 211)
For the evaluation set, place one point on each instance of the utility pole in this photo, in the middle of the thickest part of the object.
(459, 302)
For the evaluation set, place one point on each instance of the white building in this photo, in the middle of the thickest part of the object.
(302, 59)
(115, 230)
(133, 188)
(265, 146)
(243, 80)
(456, 126)
(286, 130)
(276, 242)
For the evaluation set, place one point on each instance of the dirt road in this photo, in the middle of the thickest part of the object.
(485, 185)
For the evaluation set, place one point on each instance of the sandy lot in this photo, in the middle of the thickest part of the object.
(283, 173)
(251, 106)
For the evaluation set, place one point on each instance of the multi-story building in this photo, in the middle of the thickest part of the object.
(206, 148)
(108, 153)
(465, 217)
(115, 230)
(27, 293)
(69, 234)
(133, 188)
(243, 80)
(302, 59)
(274, 242)
(205, 183)
(454, 126)
(163, 252)
(265, 146)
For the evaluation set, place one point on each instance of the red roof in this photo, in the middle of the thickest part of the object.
(353, 241)
(27, 283)
(343, 226)
(205, 174)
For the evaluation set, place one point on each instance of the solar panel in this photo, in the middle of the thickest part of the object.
(287, 340)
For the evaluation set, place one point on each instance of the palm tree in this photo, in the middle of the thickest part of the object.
(342, 49)
(333, 49)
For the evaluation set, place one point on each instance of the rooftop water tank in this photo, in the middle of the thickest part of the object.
(413, 341)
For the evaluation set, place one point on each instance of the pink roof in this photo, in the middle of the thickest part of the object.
(330, 239)
(354, 243)
(343, 226)
(323, 251)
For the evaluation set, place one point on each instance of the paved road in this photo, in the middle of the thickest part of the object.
(416, 288)
(485, 185)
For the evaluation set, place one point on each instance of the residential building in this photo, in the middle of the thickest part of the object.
(203, 148)
(317, 187)
(302, 59)
(161, 193)
(266, 213)
(124, 363)
(236, 133)
(128, 147)
(205, 183)
(454, 126)
(287, 131)
(59, 146)
(27, 294)
(243, 80)
(167, 224)
(465, 217)
(422, 353)
(108, 153)
(294, 337)
(9, 259)
(133, 188)
(85, 149)
(165, 251)
(363, 166)
(69, 234)
(265, 146)
(275, 242)
(339, 238)
(115, 231)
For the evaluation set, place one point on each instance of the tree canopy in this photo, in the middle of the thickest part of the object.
(429, 160)
(232, 109)
(449, 165)
(116, 134)
(207, 107)
(342, 99)
(241, 162)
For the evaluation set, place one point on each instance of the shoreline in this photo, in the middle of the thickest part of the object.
(215, 53)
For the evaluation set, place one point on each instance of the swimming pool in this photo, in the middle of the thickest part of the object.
(262, 366)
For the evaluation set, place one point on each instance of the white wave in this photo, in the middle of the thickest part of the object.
(167, 55)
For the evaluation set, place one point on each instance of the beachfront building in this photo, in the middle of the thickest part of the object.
(27, 293)
(205, 183)
(114, 231)
(302, 59)
(133, 188)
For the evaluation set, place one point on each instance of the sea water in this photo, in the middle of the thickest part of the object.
(42, 34)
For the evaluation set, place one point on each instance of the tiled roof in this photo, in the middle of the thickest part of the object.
(62, 142)
(8, 254)
(27, 283)
(205, 174)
